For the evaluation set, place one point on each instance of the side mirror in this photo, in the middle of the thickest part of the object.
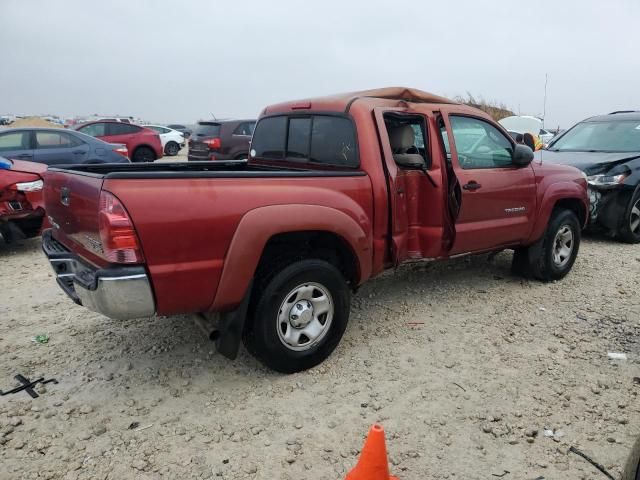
(522, 155)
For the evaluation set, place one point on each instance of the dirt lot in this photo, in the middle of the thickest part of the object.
(463, 364)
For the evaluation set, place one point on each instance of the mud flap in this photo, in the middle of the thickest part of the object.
(230, 327)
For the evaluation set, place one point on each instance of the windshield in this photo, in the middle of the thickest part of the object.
(610, 136)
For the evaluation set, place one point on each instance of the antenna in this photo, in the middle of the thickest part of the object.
(214, 117)
(544, 104)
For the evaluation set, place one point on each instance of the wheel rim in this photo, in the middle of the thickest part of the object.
(634, 218)
(173, 149)
(305, 316)
(563, 246)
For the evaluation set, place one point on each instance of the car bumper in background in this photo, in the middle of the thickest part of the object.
(120, 292)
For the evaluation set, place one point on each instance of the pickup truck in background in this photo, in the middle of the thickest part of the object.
(335, 191)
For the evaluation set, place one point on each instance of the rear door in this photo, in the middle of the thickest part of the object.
(16, 144)
(497, 198)
(241, 138)
(55, 148)
(118, 132)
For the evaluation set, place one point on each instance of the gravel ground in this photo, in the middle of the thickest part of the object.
(463, 364)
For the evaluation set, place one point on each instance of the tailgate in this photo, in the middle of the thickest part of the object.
(72, 202)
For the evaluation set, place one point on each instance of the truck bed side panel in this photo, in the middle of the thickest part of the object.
(185, 225)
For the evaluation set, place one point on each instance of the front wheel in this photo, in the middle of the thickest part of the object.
(300, 316)
(630, 230)
(552, 257)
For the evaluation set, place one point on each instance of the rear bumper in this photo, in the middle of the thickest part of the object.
(120, 292)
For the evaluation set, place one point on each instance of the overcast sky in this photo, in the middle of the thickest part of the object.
(179, 61)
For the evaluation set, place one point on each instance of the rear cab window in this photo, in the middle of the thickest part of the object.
(313, 139)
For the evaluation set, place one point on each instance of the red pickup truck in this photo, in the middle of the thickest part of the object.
(335, 191)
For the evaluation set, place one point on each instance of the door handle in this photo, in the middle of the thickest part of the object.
(24, 155)
(472, 185)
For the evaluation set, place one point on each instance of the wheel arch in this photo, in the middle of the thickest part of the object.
(568, 195)
(299, 231)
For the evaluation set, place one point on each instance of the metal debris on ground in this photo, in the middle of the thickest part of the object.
(592, 462)
(505, 472)
(617, 356)
(27, 385)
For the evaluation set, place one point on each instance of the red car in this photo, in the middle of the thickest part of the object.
(22, 212)
(143, 144)
(336, 190)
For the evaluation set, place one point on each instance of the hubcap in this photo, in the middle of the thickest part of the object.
(634, 219)
(305, 316)
(563, 246)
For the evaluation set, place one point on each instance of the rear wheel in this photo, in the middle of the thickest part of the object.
(630, 230)
(144, 154)
(551, 257)
(300, 315)
(171, 149)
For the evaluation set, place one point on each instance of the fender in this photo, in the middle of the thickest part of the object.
(256, 228)
(554, 193)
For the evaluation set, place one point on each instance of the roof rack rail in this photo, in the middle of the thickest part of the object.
(623, 111)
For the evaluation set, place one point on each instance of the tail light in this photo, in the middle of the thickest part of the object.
(122, 150)
(213, 143)
(119, 239)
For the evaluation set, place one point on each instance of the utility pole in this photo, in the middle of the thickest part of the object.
(544, 104)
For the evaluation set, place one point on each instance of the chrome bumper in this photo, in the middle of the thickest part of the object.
(120, 292)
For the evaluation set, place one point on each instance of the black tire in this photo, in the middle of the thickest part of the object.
(629, 232)
(144, 154)
(171, 149)
(263, 334)
(540, 255)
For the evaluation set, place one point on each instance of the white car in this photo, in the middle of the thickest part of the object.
(172, 140)
(526, 123)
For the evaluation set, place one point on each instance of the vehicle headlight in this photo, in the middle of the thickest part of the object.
(606, 180)
(29, 186)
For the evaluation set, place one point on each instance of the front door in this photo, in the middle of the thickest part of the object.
(498, 199)
(16, 144)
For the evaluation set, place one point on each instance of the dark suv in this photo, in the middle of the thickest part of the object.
(607, 149)
(221, 140)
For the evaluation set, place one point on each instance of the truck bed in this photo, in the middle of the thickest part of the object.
(187, 215)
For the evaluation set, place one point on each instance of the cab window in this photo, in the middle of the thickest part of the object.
(479, 144)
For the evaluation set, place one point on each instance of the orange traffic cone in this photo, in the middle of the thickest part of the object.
(373, 464)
